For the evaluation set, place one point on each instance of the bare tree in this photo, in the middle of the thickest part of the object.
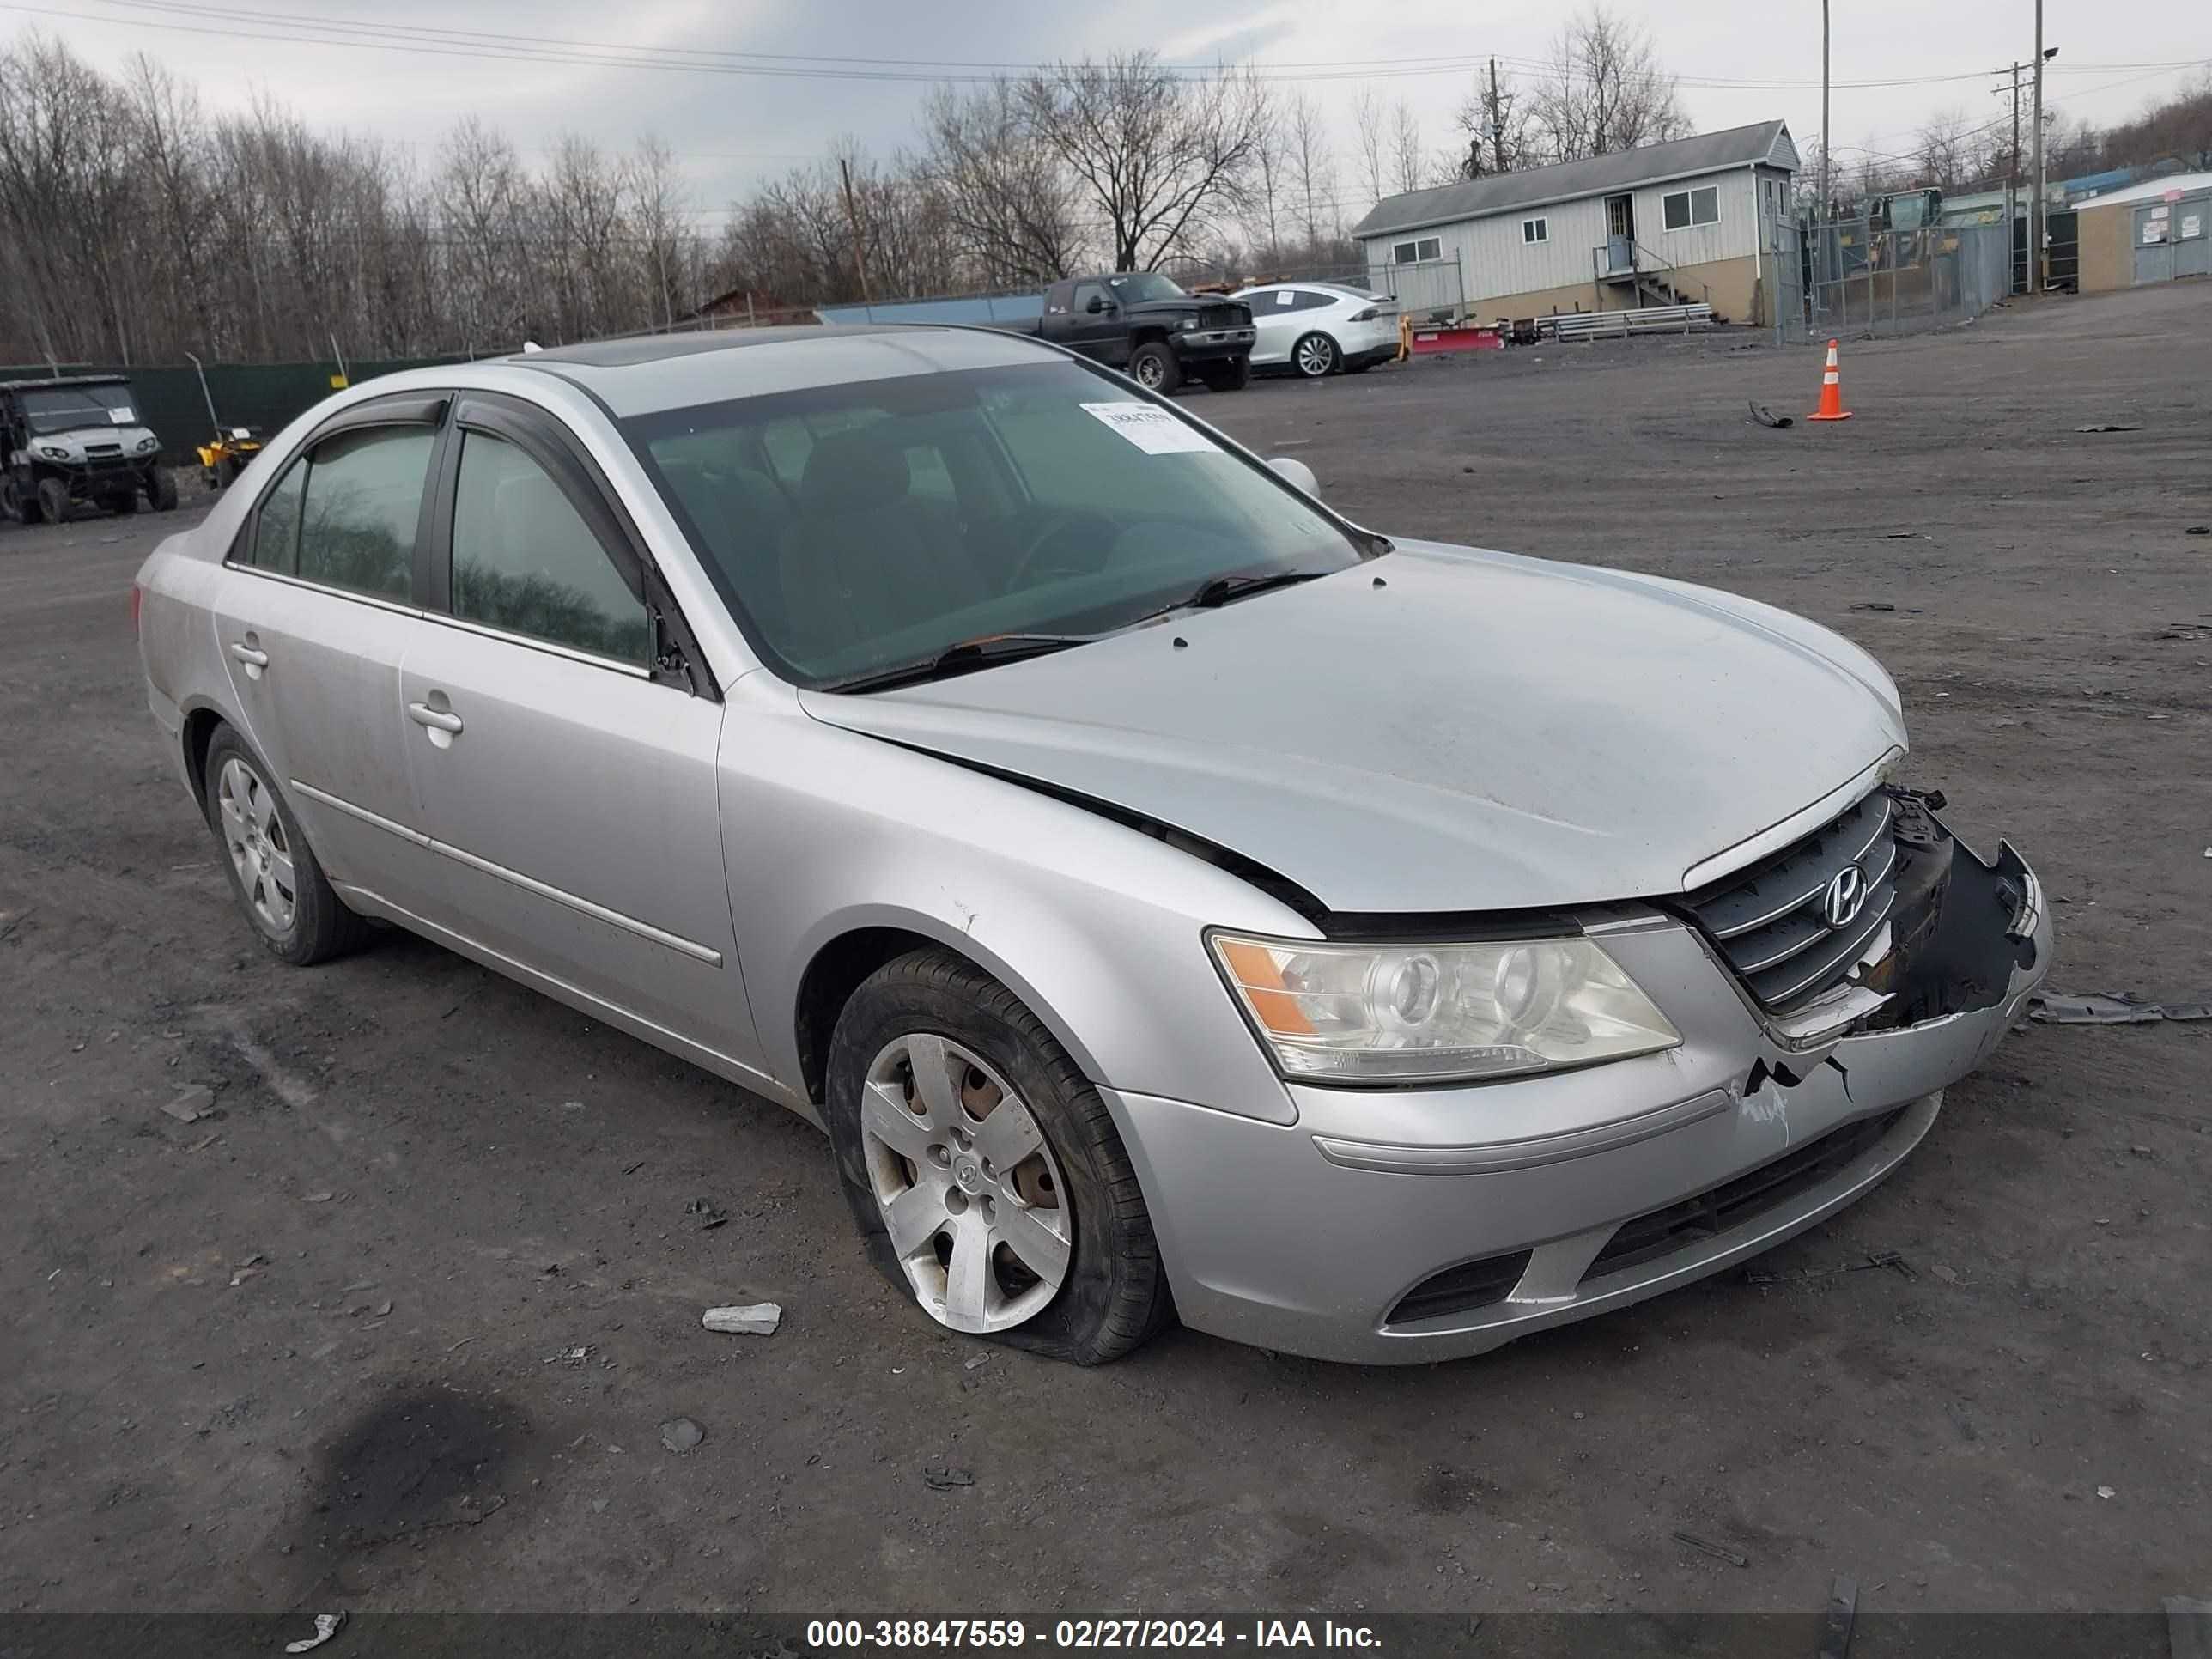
(1604, 90)
(657, 207)
(1005, 196)
(1409, 160)
(484, 213)
(1156, 154)
(1272, 166)
(1497, 121)
(1312, 170)
(1945, 151)
(1367, 127)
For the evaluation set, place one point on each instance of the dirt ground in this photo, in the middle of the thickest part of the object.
(396, 1328)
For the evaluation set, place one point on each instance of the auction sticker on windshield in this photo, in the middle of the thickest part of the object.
(1151, 428)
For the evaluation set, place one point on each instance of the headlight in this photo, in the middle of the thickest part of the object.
(53, 452)
(1186, 322)
(1367, 1013)
(149, 442)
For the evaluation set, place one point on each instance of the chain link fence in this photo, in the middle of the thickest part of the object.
(1852, 277)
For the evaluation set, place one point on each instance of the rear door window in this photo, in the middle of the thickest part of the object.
(362, 501)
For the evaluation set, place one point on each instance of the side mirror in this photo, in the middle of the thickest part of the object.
(1097, 304)
(1296, 474)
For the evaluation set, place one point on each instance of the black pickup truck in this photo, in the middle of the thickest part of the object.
(1144, 325)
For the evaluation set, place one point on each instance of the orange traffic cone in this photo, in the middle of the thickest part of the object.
(1831, 392)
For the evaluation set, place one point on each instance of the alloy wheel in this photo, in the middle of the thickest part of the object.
(1316, 356)
(1150, 375)
(260, 851)
(971, 1196)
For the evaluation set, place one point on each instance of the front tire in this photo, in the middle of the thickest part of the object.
(1315, 356)
(984, 1171)
(163, 495)
(53, 501)
(274, 874)
(1154, 368)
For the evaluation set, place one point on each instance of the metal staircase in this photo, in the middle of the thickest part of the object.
(1632, 273)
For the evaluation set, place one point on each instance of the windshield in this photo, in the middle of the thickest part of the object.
(860, 527)
(1136, 288)
(70, 407)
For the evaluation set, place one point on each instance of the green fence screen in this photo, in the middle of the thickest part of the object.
(264, 396)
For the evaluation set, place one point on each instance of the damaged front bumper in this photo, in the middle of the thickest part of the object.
(1418, 1224)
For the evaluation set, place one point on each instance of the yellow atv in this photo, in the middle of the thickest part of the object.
(222, 461)
(224, 457)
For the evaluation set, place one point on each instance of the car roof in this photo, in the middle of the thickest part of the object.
(58, 382)
(648, 373)
(1344, 288)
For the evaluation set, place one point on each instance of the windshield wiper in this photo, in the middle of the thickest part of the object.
(985, 651)
(1217, 591)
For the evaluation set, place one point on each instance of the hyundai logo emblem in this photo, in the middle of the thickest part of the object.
(1845, 897)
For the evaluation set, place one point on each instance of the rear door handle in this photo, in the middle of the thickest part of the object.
(249, 656)
(441, 720)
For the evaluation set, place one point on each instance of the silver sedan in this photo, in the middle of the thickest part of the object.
(1170, 895)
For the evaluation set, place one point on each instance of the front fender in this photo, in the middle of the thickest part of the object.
(1098, 928)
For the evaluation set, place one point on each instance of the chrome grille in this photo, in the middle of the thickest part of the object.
(1769, 920)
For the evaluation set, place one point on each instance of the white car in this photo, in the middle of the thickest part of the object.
(1314, 329)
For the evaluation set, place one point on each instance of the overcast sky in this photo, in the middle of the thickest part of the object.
(731, 129)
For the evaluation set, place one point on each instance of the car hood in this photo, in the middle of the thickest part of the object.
(75, 438)
(1188, 304)
(1438, 729)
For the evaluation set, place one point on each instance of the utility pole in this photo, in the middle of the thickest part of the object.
(2037, 274)
(853, 214)
(2012, 181)
(1496, 124)
(1827, 142)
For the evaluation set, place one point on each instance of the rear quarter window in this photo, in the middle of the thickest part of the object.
(358, 516)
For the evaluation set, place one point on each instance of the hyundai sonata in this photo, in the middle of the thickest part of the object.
(1169, 895)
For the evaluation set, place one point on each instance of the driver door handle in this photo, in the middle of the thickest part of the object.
(249, 656)
(443, 720)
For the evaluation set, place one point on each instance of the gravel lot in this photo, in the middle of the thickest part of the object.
(397, 1326)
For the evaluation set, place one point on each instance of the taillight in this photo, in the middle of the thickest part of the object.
(1366, 316)
(136, 593)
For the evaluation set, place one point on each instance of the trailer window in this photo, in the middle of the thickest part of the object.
(1686, 208)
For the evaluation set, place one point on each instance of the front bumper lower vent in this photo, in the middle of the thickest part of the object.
(1708, 1214)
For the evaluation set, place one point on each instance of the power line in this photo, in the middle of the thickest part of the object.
(301, 29)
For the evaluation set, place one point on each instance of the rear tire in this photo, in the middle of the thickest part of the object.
(1231, 375)
(290, 902)
(923, 1154)
(1154, 368)
(53, 501)
(1315, 356)
(12, 501)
